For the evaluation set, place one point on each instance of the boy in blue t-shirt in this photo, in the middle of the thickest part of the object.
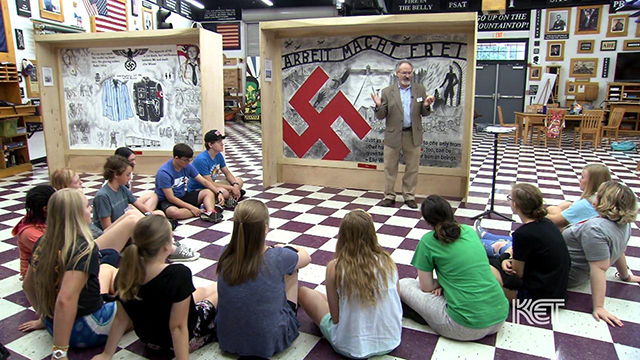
(171, 183)
(210, 164)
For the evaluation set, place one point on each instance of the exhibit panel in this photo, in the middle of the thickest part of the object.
(317, 80)
(145, 90)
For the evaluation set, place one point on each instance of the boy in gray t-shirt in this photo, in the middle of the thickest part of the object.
(593, 240)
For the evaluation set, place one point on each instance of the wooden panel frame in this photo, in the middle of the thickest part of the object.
(347, 174)
(10, 55)
(582, 9)
(52, 98)
(51, 15)
(612, 18)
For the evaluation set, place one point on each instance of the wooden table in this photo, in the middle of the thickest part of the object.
(535, 119)
(629, 107)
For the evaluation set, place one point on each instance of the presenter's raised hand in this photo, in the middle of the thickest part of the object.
(376, 99)
(429, 100)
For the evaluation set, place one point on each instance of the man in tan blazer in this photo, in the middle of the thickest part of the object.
(402, 104)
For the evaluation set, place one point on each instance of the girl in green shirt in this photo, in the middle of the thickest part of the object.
(465, 302)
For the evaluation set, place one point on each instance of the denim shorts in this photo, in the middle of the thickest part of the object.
(89, 330)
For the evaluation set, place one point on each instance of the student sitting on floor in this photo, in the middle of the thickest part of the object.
(593, 175)
(112, 200)
(210, 164)
(565, 213)
(66, 277)
(257, 287)
(171, 184)
(361, 315)
(119, 232)
(540, 262)
(159, 300)
(600, 242)
(149, 198)
(466, 302)
(33, 224)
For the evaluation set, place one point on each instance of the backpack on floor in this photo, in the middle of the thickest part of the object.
(627, 145)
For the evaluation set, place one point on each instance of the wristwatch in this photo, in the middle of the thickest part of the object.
(59, 354)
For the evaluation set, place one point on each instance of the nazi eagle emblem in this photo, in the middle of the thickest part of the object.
(130, 64)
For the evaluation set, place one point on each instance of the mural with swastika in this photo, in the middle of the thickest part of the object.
(327, 82)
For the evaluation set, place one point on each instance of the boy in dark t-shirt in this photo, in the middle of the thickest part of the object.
(171, 184)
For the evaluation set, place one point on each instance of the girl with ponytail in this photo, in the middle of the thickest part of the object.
(361, 314)
(465, 303)
(537, 265)
(258, 287)
(158, 299)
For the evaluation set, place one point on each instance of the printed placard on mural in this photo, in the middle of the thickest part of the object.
(327, 82)
(144, 98)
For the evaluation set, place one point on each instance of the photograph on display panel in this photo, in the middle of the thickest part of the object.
(327, 85)
(143, 98)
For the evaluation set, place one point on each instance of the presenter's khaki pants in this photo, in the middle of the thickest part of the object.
(411, 160)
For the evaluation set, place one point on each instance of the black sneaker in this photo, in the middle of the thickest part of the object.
(214, 217)
(230, 203)
(174, 224)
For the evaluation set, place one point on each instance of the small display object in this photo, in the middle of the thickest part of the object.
(588, 20)
(618, 25)
(585, 46)
(558, 21)
(584, 68)
(535, 73)
(52, 10)
(608, 45)
(555, 51)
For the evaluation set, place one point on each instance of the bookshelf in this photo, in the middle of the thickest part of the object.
(619, 92)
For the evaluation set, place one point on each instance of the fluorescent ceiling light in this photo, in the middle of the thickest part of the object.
(268, 2)
(195, 3)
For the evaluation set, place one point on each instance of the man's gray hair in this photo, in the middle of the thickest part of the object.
(399, 63)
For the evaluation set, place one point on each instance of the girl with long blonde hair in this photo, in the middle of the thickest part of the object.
(361, 315)
(600, 242)
(158, 299)
(257, 287)
(65, 279)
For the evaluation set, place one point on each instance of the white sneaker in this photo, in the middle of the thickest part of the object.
(183, 254)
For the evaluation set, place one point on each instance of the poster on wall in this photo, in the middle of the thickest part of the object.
(146, 98)
(327, 82)
(23, 8)
(252, 105)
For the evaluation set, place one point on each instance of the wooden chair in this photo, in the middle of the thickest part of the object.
(503, 124)
(532, 126)
(545, 130)
(615, 120)
(591, 125)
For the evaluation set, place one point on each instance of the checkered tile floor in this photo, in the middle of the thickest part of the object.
(310, 215)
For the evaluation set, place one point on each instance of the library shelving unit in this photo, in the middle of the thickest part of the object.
(13, 134)
(627, 96)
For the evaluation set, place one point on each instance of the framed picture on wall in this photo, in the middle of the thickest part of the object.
(147, 19)
(637, 30)
(52, 10)
(555, 51)
(535, 73)
(608, 45)
(618, 25)
(586, 46)
(32, 82)
(631, 45)
(584, 68)
(588, 20)
(558, 21)
(570, 88)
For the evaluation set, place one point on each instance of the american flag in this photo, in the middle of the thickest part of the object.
(230, 35)
(91, 7)
(112, 15)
